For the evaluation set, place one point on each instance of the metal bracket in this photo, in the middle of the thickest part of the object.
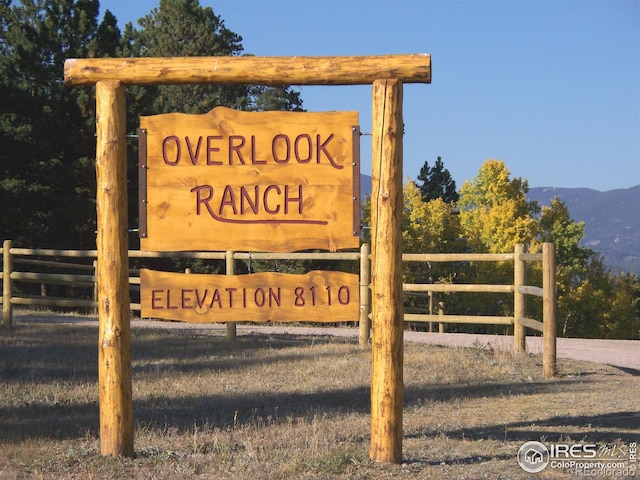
(142, 182)
(356, 181)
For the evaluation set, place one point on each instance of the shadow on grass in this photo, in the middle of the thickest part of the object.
(52, 353)
(472, 460)
(631, 371)
(59, 422)
(67, 355)
(224, 411)
(608, 427)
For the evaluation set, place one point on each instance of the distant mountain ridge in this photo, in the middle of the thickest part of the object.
(612, 219)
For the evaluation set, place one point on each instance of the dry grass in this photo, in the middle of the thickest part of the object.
(282, 407)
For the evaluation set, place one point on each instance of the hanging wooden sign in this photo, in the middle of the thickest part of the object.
(318, 296)
(252, 181)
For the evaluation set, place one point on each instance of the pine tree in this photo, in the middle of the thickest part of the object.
(46, 129)
(437, 183)
(183, 28)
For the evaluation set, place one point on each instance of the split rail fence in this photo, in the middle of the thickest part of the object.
(17, 262)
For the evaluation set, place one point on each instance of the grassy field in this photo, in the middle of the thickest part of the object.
(287, 407)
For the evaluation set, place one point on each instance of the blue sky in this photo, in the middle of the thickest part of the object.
(550, 87)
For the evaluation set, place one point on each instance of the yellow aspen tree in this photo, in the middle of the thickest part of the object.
(494, 212)
(428, 227)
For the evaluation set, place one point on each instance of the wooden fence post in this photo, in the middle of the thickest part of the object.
(441, 314)
(430, 310)
(230, 270)
(386, 273)
(519, 305)
(7, 266)
(95, 284)
(365, 296)
(114, 336)
(549, 309)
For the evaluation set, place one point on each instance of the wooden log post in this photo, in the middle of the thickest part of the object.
(549, 331)
(519, 309)
(365, 297)
(387, 385)
(230, 269)
(114, 337)
(7, 267)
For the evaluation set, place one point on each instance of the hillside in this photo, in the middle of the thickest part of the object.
(612, 222)
(612, 219)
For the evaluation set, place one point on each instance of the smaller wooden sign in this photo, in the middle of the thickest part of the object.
(318, 296)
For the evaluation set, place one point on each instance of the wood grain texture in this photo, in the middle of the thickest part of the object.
(386, 277)
(318, 296)
(253, 181)
(519, 302)
(344, 70)
(549, 299)
(114, 344)
(7, 268)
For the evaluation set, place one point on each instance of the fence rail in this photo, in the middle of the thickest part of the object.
(25, 256)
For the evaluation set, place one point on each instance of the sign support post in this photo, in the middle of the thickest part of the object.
(114, 338)
(386, 73)
(386, 273)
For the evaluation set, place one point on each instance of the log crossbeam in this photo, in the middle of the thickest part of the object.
(276, 71)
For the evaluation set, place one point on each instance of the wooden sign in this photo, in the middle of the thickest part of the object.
(252, 181)
(318, 296)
